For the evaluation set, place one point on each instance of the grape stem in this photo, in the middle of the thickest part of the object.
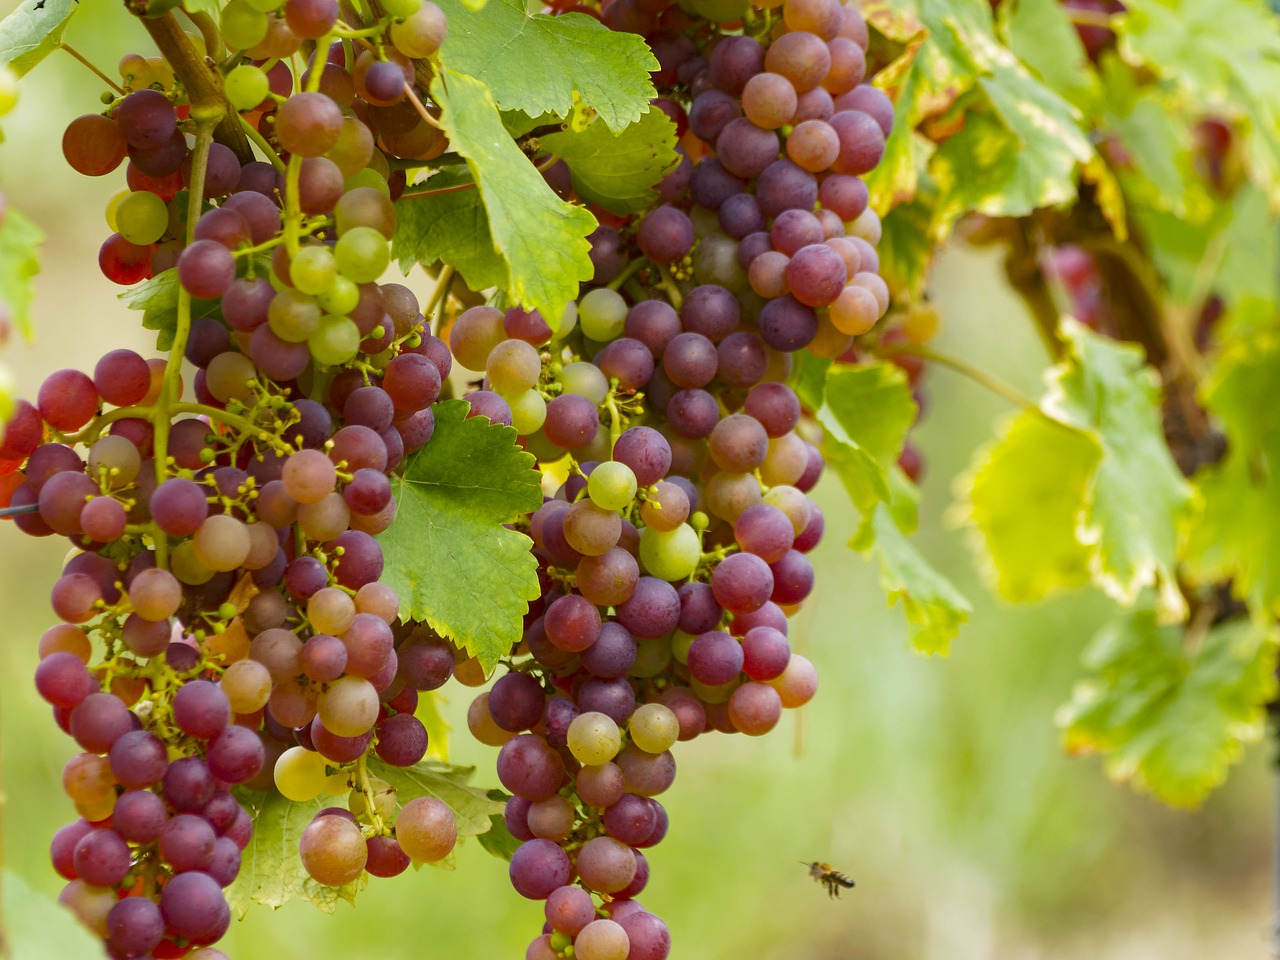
(242, 424)
(668, 285)
(173, 368)
(440, 293)
(100, 75)
(293, 173)
(631, 269)
(366, 788)
(252, 133)
(966, 369)
(456, 188)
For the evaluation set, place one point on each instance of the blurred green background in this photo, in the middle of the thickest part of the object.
(938, 785)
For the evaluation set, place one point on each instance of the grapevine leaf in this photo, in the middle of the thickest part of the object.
(498, 839)
(210, 7)
(1238, 534)
(1026, 498)
(1226, 55)
(33, 31)
(1168, 719)
(1042, 37)
(157, 298)
(36, 924)
(537, 64)
(451, 227)
(809, 378)
(19, 238)
(905, 249)
(471, 806)
(935, 609)
(541, 237)
(1137, 497)
(447, 553)
(271, 872)
(618, 171)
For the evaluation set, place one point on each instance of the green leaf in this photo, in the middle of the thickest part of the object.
(1042, 37)
(33, 31)
(271, 871)
(1237, 535)
(906, 248)
(447, 553)
(1137, 497)
(542, 238)
(1168, 718)
(452, 227)
(471, 806)
(1227, 56)
(37, 927)
(19, 238)
(1025, 497)
(935, 609)
(618, 171)
(210, 7)
(157, 298)
(538, 64)
(809, 378)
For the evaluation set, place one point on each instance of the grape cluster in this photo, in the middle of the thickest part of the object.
(221, 618)
(676, 545)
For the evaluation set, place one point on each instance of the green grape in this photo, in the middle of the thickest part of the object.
(612, 485)
(568, 322)
(594, 738)
(313, 270)
(221, 542)
(362, 254)
(652, 657)
(348, 707)
(602, 314)
(670, 555)
(142, 218)
(709, 694)
(340, 298)
(528, 412)
(187, 566)
(680, 644)
(293, 316)
(513, 367)
(400, 9)
(246, 86)
(242, 26)
(368, 177)
(586, 380)
(654, 728)
(8, 90)
(113, 205)
(299, 774)
(266, 6)
(336, 342)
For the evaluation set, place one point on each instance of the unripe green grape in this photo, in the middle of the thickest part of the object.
(142, 218)
(293, 316)
(242, 26)
(400, 9)
(602, 940)
(313, 270)
(247, 684)
(710, 694)
(300, 775)
(680, 644)
(602, 313)
(266, 6)
(567, 322)
(528, 412)
(652, 657)
(513, 367)
(336, 342)
(348, 707)
(422, 33)
(113, 205)
(670, 555)
(654, 728)
(362, 254)
(594, 738)
(187, 566)
(612, 485)
(246, 86)
(340, 298)
(221, 542)
(586, 380)
(368, 177)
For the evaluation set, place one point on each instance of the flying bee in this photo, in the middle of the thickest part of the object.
(830, 878)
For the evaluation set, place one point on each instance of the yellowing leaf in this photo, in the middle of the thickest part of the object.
(1166, 719)
(448, 555)
(19, 238)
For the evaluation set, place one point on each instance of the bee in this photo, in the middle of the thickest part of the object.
(830, 878)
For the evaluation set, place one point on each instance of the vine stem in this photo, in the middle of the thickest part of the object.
(366, 788)
(98, 73)
(252, 133)
(173, 368)
(966, 369)
(631, 269)
(19, 511)
(441, 291)
(456, 188)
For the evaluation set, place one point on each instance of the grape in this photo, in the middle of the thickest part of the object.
(734, 61)
(516, 702)
(385, 858)
(529, 768)
(93, 145)
(665, 235)
(146, 119)
(801, 57)
(605, 865)
(402, 740)
(194, 908)
(413, 382)
(134, 926)
(348, 707)
(571, 422)
(711, 112)
(569, 909)
(426, 829)
(421, 33)
(206, 269)
(333, 850)
(870, 100)
(188, 784)
(670, 555)
(602, 940)
(308, 124)
(653, 609)
(300, 774)
(246, 86)
(142, 218)
(769, 100)
(236, 755)
(816, 275)
(755, 708)
(861, 142)
(539, 867)
(594, 738)
(187, 842)
(201, 709)
(647, 935)
(745, 149)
